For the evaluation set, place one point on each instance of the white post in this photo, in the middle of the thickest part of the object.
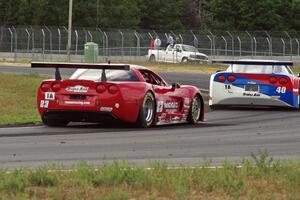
(70, 29)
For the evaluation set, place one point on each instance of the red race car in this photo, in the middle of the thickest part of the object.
(104, 92)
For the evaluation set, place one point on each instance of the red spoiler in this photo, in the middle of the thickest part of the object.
(58, 65)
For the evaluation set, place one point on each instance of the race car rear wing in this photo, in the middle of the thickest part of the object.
(254, 62)
(58, 65)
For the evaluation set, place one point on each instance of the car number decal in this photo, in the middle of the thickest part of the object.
(49, 95)
(44, 103)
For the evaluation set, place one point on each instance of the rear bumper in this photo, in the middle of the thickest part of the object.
(80, 116)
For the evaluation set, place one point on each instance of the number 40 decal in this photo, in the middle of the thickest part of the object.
(281, 90)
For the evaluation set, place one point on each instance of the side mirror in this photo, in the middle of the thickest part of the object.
(299, 75)
(175, 86)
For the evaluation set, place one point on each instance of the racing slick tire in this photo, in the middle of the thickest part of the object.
(195, 110)
(184, 60)
(55, 123)
(152, 58)
(147, 111)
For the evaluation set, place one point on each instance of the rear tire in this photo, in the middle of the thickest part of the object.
(152, 58)
(147, 111)
(54, 122)
(195, 110)
(184, 60)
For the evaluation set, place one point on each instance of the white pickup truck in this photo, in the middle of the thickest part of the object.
(178, 53)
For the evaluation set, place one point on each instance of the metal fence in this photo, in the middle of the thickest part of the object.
(50, 42)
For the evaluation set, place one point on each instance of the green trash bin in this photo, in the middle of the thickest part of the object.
(90, 52)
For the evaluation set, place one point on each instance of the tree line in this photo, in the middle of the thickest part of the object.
(156, 14)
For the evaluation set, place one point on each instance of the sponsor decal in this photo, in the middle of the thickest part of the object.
(172, 110)
(77, 102)
(175, 119)
(251, 94)
(44, 104)
(106, 109)
(186, 102)
(171, 104)
(49, 95)
(160, 106)
(275, 97)
(77, 88)
(251, 82)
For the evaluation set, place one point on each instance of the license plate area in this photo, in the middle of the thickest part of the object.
(252, 88)
(78, 96)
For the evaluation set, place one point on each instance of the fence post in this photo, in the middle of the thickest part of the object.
(137, 43)
(211, 45)
(50, 40)
(43, 33)
(283, 46)
(297, 41)
(196, 42)
(213, 42)
(59, 39)
(106, 43)
(232, 42)
(91, 36)
(225, 44)
(85, 34)
(11, 39)
(28, 39)
(32, 37)
(251, 40)
(122, 43)
(270, 43)
(103, 40)
(291, 43)
(240, 44)
(76, 42)
(255, 45)
(16, 43)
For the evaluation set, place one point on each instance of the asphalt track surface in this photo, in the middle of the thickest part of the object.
(226, 134)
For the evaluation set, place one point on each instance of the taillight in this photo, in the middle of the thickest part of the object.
(221, 78)
(112, 89)
(56, 87)
(100, 88)
(45, 87)
(283, 81)
(231, 78)
(273, 80)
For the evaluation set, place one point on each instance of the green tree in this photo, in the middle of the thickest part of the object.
(162, 14)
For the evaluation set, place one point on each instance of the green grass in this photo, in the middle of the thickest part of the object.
(259, 178)
(18, 98)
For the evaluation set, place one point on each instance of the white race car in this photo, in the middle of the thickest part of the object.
(255, 83)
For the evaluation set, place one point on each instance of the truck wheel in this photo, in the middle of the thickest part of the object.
(195, 110)
(53, 122)
(152, 58)
(184, 60)
(147, 111)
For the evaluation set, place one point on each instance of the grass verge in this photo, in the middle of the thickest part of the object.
(18, 98)
(259, 178)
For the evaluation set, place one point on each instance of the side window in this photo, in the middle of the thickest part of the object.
(152, 78)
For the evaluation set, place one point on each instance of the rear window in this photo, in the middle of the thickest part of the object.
(260, 69)
(111, 75)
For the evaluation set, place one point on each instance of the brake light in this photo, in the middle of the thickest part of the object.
(56, 87)
(45, 87)
(222, 78)
(231, 78)
(112, 89)
(273, 80)
(100, 88)
(283, 81)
